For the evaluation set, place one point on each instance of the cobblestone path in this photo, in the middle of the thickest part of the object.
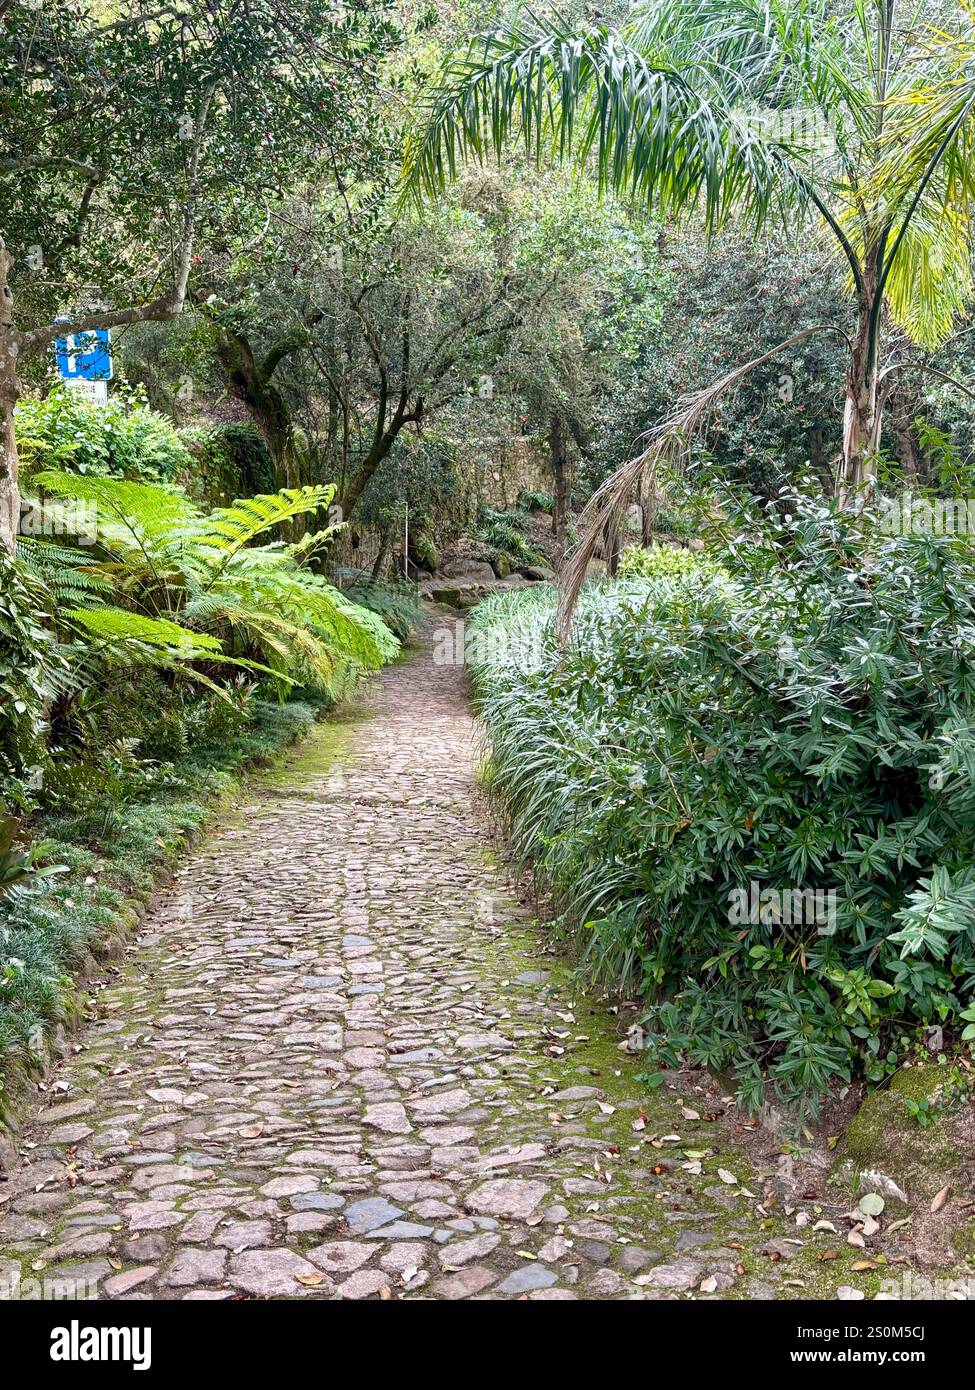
(338, 1064)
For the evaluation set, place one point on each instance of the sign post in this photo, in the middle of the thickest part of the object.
(85, 362)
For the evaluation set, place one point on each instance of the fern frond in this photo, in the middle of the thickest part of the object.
(227, 529)
(118, 625)
(146, 510)
(69, 576)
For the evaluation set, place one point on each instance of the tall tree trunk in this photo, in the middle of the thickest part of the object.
(252, 385)
(560, 489)
(382, 552)
(9, 393)
(902, 405)
(861, 417)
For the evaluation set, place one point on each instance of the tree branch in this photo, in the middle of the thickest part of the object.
(165, 306)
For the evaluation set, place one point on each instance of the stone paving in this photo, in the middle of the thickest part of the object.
(339, 1065)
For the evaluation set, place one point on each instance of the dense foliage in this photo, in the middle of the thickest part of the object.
(123, 439)
(754, 789)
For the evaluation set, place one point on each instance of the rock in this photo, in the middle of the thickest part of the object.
(402, 1256)
(461, 1252)
(317, 1201)
(193, 1266)
(289, 1187)
(341, 1256)
(469, 571)
(449, 597)
(366, 1284)
(445, 1103)
(605, 1283)
(147, 1249)
(633, 1258)
(244, 1234)
(389, 1116)
(270, 1272)
(369, 1213)
(120, 1284)
(678, 1274)
(846, 1294)
(540, 573)
(596, 1250)
(555, 1249)
(201, 1226)
(401, 1230)
(464, 1283)
(69, 1134)
(528, 1277)
(576, 1093)
(513, 1198)
(66, 1111)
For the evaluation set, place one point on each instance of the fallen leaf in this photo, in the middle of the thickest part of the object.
(709, 1284)
(872, 1204)
(311, 1279)
(939, 1199)
(727, 1177)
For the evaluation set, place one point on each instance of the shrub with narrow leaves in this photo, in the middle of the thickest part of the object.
(752, 785)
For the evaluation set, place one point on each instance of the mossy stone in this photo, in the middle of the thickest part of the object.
(884, 1135)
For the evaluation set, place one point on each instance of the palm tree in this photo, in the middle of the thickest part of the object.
(773, 110)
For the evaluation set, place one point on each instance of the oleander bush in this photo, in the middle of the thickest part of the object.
(751, 784)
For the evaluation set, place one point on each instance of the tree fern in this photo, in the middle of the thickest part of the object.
(183, 584)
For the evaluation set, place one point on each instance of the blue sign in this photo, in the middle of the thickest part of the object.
(85, 356)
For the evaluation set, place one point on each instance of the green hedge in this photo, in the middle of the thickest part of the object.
(755, 790)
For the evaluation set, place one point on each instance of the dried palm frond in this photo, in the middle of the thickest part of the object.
(667, 447)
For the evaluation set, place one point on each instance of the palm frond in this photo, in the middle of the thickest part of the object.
(650, 131)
